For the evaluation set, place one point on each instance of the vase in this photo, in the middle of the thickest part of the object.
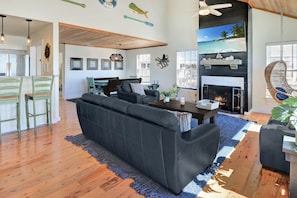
(166, 99)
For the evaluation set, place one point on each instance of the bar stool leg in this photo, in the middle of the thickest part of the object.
(27, 113)
(50, 114)
(18, 119)
(34, 115)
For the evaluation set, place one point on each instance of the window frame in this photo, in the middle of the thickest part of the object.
(187, 69)
(277, 51)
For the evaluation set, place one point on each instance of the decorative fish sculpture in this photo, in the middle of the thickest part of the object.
(136, 9)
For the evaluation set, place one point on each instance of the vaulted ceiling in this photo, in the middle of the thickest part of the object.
(97, 38)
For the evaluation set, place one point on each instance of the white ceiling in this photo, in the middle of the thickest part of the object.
(16, 26)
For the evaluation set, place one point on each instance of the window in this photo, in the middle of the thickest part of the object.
(273, 53)
(18, 63)
(143, 67)
(186, 69)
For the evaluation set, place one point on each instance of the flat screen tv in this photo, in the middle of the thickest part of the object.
(220, 39)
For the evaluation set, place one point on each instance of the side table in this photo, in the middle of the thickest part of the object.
(290, 149)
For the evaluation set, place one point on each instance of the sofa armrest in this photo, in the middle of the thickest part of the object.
(197, 150)
(201, 132)
(129, 96)
(153, 92)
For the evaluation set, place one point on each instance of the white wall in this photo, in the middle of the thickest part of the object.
(95, 15)
(76, 83)
(181, 28)
(266, 28)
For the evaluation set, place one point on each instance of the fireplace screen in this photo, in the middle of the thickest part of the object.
(230, 98)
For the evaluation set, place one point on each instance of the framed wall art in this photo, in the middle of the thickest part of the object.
(92, 63)
(105, 64)
(76, 63)
(118, 65)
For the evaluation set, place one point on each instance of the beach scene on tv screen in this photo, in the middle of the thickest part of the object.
(220, 39)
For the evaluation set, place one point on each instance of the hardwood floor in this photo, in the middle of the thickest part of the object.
(46, 165)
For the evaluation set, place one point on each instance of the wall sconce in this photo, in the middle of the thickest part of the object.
(2, 38)
(28, 38)
(162, 63)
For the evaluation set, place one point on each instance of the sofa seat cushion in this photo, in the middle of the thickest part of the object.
(137, 88)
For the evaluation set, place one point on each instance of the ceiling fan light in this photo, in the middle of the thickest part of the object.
(204, 11)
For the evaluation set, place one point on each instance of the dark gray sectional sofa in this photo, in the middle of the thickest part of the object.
(271, 145)
(149, 139)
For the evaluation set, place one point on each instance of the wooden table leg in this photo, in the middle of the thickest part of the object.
(212, 119)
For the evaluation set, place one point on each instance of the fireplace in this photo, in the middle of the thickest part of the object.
(226, 90)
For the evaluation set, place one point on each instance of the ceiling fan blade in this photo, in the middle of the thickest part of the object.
(214, 12)
(220, 6)
(202, 4)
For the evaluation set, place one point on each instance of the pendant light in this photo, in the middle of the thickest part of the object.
(28, 38)
(116, 57)
(2, 38)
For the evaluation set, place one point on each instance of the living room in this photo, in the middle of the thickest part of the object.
(173, 24)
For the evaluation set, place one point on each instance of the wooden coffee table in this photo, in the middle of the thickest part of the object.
(200, 114)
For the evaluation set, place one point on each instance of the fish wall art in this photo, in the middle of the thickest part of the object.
(137, 10)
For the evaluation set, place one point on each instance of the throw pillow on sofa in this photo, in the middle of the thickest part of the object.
(184, 120)
(137, 88)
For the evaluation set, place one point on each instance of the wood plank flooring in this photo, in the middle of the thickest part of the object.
(46, 165)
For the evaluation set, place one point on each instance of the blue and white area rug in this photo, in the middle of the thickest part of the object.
(233, 129)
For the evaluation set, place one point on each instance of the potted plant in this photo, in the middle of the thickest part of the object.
(287, 113)
(170, 93)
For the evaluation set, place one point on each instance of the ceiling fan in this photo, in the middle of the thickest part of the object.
(205, 9)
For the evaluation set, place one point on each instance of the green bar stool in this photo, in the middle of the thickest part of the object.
(10, 91)
(41, 90)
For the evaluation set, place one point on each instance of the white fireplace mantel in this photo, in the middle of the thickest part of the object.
(232, 63)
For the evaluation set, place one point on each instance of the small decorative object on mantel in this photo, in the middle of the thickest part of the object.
(219, 56)
(162, 63)
(233, 63)
(75, 3)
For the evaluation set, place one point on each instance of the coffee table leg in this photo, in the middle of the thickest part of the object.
(212, 119)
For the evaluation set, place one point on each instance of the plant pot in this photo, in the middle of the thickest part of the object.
(166, 99)
(296, 137)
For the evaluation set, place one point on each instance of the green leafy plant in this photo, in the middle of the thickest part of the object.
(286, 112)
(171, 92)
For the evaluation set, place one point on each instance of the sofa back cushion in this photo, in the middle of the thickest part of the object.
(137, 88)
(126, 85)
(154, 115)
(114, 104)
